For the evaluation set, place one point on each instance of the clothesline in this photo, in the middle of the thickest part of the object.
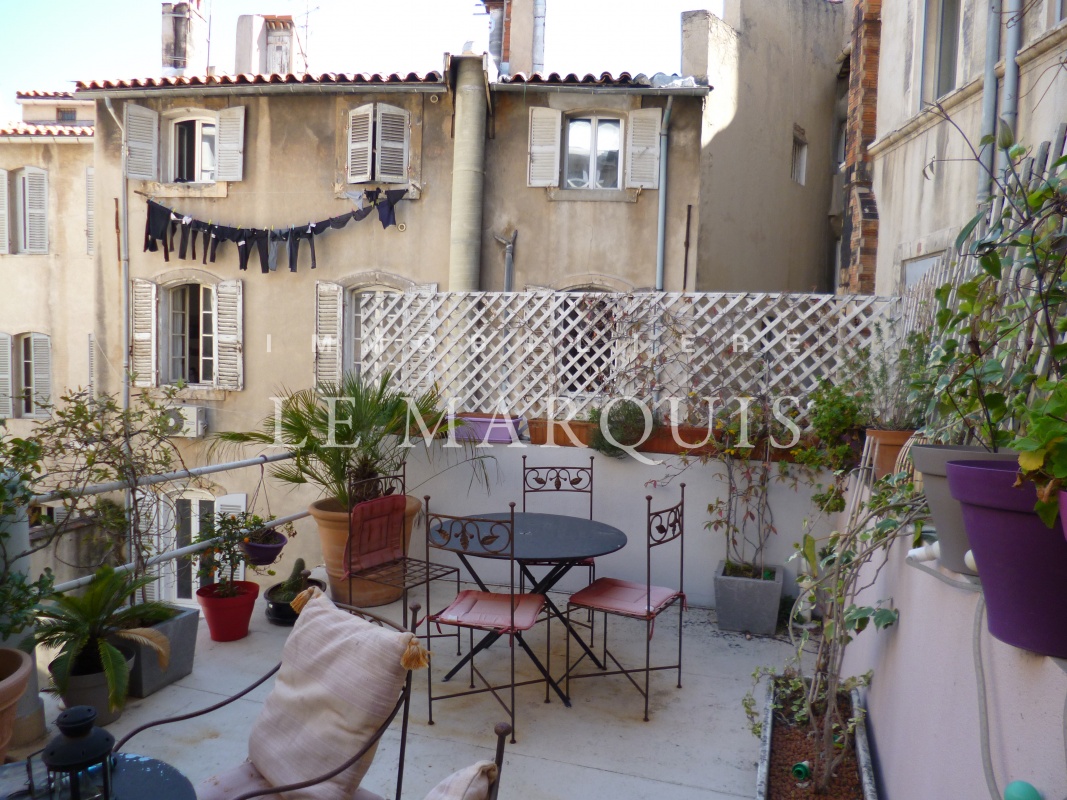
(164, 224)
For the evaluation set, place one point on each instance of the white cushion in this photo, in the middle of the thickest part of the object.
(471, 783)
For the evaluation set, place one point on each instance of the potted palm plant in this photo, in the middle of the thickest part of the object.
(90, 631)
(342, 433)
(227, 602)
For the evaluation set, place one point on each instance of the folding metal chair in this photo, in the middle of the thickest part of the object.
(643, 601)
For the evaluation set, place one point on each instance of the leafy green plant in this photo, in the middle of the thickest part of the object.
(219, 562)
(1043, 448)
(886, 376)
(836, 417)
(287, 590)
(625, 423)
(84, 628)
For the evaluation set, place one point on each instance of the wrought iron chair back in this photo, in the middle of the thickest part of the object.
(552, 479)
(664, 526)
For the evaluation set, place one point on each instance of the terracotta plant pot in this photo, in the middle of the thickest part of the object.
(15, 669)
(260, 554)
(332, 519)
(1023, 564)
(227, 617)
(279, 612)
(887, 446)
(564, 432)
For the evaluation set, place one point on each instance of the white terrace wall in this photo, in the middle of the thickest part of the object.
(620, 487)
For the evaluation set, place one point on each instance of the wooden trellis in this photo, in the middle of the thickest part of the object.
(539, 353)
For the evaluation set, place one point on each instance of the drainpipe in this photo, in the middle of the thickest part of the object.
(1012, 41)
(989, 100)
(539, 36)
(509, 259)
(661, 233)
(124, 257)
(468, 177)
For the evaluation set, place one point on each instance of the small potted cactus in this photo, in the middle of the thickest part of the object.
(280, 595)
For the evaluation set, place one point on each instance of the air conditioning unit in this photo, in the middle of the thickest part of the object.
(189, 422)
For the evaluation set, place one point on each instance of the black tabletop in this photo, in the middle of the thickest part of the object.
(551, 537)
(132, 776)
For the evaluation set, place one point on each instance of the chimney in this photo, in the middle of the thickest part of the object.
(267, 44)
(522, 38)
(696, 28)
(185, 39)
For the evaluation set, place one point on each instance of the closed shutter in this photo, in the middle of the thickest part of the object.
(34, 185)
(230, 163)
(143, 346)
(359, 143)
(142, 142)
(90, 209)
(545, 127)
(328, 332)
(5, 217)
(150, 529)
(392, 144)
(41, 349)
(642, 149)
(232, 504)
(5, 376)
(229, 331)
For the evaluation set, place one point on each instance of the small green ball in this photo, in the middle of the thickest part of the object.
(1021, 790)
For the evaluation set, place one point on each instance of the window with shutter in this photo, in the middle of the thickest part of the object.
(6, 379)
(232, 504)
(543, 168)
(642, 149)
(142, 142)
(328, 323)
(391, 143)
(360, 123)
(143, 347)
(229, 370)
(90, 209)
(41, 352)
(231, 133)
(5, 218)
(32, 210)
(150, 523)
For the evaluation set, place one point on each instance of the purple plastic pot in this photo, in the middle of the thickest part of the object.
(1022, 563)
(260, 555)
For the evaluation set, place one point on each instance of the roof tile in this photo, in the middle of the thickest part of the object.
(246, 79)
(27, 129)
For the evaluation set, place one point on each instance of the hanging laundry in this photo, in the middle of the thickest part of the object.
(156, 223)
(387, 206)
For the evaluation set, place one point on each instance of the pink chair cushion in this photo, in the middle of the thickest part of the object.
(340, 678)
(469, 783)
(492, 611)
(377, 533)
(242, 778)
(624, 597)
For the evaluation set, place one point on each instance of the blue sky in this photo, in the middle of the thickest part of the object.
(48, 44)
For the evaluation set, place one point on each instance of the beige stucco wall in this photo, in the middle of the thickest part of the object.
(921, 214)
(773, 65)
(53, 293)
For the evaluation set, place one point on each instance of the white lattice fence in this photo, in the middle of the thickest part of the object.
(521, 351)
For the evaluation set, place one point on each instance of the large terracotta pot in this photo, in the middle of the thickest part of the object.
(1022, 563)
(15, 669)
(332, 519)
(930, 460)
(887, 446)
(227, 617)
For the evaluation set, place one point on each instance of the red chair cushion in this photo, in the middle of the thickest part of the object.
(492, 611)
(624, 597)
(377, 533)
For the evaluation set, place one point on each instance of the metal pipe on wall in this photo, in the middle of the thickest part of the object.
(124, 258)
(1012, 41)
(661, 231)
(468, 177)
(989, 99)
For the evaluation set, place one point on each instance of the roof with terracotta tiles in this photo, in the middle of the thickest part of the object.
(37, 94)
(29, 130)
(623, 79)
(246, 79)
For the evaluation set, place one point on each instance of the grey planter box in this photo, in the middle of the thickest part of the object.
(146, 677)
(747, 604)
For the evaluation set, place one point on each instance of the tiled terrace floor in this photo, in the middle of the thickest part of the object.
(696, 747)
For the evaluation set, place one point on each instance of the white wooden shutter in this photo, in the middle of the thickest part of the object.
(232, 504)
(391, 141)
(150, 528)
(5, 217)
(230, 160)
(90, 209)
(359, 143)
(143, 347)
(6, 388)
(545, 130)
(229, 331)
(642, 149)
(34, 202)
(328, 332)
(41, 351)
(142, 142)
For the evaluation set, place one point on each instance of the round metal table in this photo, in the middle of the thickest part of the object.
(554, 538)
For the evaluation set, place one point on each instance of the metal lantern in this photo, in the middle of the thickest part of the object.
(79, 758)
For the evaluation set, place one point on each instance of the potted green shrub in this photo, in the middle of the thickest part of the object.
(89, 631)
(625, 423)
(381, 424)
(227, 602)
(280, 595)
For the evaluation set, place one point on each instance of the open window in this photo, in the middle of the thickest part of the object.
(940, 48)
(591, 150)
(198, 146)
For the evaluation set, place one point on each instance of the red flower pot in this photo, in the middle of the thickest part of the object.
(260, 554)
(227, 617)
